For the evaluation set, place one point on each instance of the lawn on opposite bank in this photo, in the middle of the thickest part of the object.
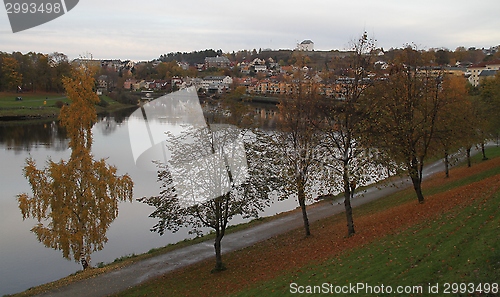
(42, 105)
(452, 237)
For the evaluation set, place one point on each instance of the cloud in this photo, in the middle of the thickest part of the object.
(134, 30)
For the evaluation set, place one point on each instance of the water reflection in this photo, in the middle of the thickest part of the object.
(26, 136)
(148, 126)
(75, 201)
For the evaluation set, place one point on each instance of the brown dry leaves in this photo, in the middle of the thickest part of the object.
(291, 251)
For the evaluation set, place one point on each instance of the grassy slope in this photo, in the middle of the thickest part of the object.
(453, 237)
(459, 246)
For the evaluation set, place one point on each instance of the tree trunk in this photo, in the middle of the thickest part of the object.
(417, 185)
(302, 203)
(219, 266)
(468, 157)
(446, 164)
(83, 260)
(348, 193)
(415, 169)
(348, 213)
(484, 152)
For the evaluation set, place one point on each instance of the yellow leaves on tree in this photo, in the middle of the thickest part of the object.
(77, 198)
(80, 115)
(12, 76)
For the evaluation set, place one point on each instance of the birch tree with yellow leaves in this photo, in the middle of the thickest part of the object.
(75, 201)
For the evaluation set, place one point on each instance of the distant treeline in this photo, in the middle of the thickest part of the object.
(321, 60)
(192, 58)
(33, 72)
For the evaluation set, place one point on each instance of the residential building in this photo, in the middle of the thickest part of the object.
(217, 84)
(111, 64)
(475, 70)
(306, 45)
(102, 82)
(487, 73)
(196, 82)
(128, 84)
(260, 68)
(218, 62)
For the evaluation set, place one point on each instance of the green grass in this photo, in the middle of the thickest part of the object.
(461, 246)
(32, 105)
(42, 104)
(491, 152)
(7, 100)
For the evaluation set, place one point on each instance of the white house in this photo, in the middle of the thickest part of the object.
(306, 45)
(476, 69)
(219, 83)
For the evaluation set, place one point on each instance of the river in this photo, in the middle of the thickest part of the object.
(24, 261)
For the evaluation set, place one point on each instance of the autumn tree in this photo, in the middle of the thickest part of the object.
(33, 71)
(406, 109)
(216, 185)
(478, 118)
(297, 146)
(75, 201)
(490, 98)
(344, 126)
(60, 68)
(12, 78)
(167, 70)
(456, 124)
(214, 172)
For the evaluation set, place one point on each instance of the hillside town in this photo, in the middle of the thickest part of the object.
(263, 72)
(263, 75)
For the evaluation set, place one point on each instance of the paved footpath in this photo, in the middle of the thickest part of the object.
(139, 272)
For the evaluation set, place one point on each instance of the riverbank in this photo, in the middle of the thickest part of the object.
(162, 262)
(36, 106)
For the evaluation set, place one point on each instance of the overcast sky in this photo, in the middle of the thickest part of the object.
(143, 30)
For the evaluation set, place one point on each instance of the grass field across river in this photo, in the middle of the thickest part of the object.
(40, 105)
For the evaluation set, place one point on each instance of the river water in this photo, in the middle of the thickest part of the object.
(24, 261)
